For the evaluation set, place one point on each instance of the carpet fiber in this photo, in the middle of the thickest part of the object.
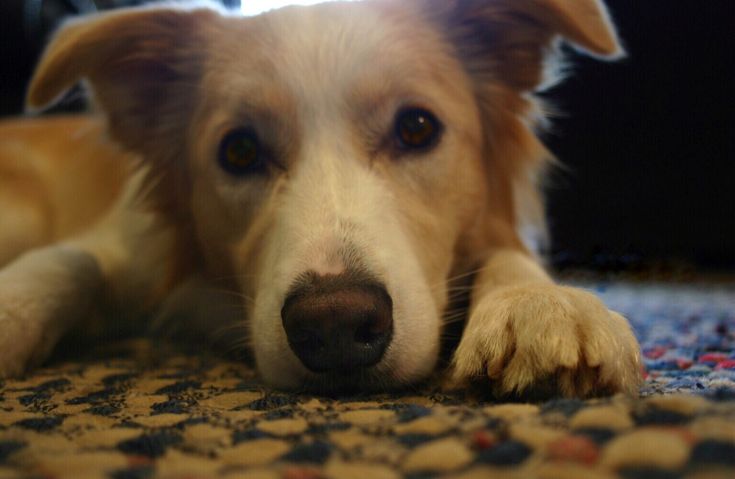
(145, 414)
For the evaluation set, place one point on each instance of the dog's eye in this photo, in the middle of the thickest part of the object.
(416, 128)
(240, 152)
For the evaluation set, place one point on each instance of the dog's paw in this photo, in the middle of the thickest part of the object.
(22, 344)
(545, 340)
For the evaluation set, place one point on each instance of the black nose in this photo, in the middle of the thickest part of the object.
(338, 323)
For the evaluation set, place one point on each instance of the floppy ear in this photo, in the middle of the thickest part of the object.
(510, 39)
(135, 62)
(507, 47)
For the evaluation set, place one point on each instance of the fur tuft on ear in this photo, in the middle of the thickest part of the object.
(512, 38)
(133, 61)
(587, 24)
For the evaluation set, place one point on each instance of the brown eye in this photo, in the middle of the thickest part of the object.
(417, 128)
(240, 152)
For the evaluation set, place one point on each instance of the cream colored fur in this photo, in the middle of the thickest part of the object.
(322, 85)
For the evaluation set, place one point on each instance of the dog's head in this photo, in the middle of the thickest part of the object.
(339, 160)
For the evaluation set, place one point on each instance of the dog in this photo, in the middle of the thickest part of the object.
(343, 171)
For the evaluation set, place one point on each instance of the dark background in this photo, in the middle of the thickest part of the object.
(649, 142)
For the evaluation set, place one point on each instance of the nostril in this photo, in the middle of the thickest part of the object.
(365, 334)
(374, 328)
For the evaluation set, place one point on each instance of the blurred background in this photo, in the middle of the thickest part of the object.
(649, 142)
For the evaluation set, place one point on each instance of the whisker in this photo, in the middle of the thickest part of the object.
(235, 294)
(241, 343)
(453, 322)
(455, 311)
(464, 275)
(460, 289)
(230, 292)
(230, 328)
(457, 297)
(453, 318)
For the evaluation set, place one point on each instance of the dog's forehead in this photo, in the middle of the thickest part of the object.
(333, 49)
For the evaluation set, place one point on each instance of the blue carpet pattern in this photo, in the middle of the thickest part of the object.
(686, 331)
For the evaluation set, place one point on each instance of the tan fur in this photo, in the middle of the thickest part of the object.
(322, 86)
(58, 175)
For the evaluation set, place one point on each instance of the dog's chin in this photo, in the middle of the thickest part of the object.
(336, 383)
(288, 374)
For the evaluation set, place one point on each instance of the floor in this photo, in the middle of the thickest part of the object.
(138, 412)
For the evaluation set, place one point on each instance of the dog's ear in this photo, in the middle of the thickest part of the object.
(510, 39)
(134, 61)
(508, 49)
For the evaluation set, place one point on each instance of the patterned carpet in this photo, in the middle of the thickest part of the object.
(149, 413)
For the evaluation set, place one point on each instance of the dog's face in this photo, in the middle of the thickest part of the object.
(338, 160)
(368, 169)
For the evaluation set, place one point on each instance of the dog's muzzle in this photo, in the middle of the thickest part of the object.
(338, 323)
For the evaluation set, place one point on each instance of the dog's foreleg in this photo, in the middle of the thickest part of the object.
(526, 334)
(125, 256)
(42, 294)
